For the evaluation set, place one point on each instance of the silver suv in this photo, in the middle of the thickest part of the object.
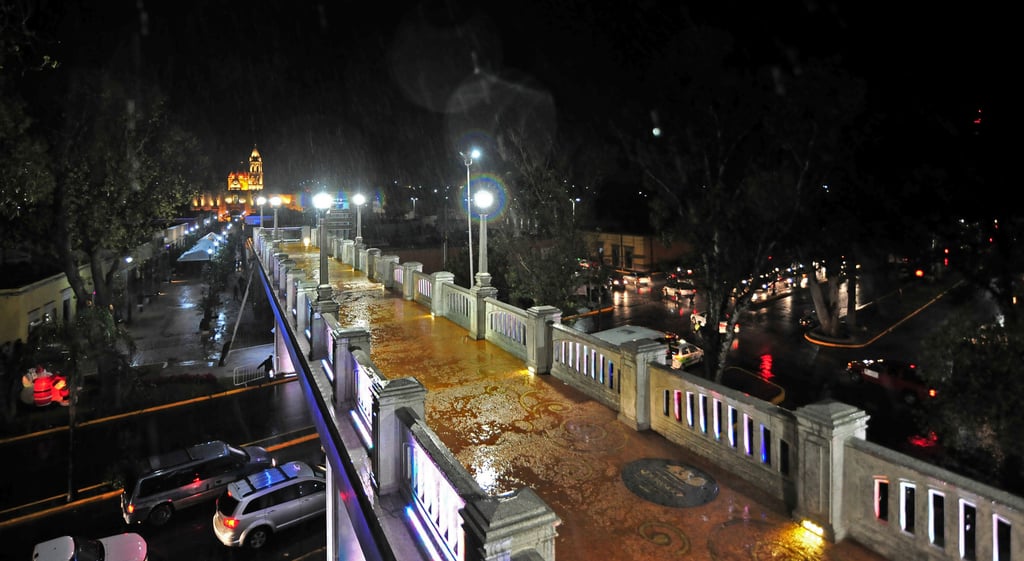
(254, 507)
(159, 485)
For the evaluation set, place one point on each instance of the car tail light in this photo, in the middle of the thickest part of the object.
(131, 508)
(231, 523)
(932, 392)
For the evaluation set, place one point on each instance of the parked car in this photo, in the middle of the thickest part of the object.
(898, 377)
(675, 290)
(120, 547)
(258, 505)
(686, 354)
(159, 485)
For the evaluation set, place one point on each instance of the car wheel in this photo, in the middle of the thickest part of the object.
(257, 537)
(160, 515)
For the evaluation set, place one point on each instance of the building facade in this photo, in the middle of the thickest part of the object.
(238, 199)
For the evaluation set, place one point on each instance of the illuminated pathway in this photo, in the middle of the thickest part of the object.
(511, 429)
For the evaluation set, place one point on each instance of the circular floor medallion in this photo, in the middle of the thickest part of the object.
(669, 483)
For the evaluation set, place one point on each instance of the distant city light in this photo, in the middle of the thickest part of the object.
(656, 131)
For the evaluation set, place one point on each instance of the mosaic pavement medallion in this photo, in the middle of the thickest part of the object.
(669, 483)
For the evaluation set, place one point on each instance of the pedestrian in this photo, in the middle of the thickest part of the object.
(268, 366)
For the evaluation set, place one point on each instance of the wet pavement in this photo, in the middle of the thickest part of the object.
(621, 495)
(511, 429)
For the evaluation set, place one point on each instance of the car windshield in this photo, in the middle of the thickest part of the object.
(88, 550)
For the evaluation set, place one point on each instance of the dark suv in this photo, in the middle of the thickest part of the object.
(157, 486)
(897, 377)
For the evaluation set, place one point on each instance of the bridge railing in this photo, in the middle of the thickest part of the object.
(815, 459)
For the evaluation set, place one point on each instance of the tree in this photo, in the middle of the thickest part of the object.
(737, 149)
(120, 168)
(976, 412)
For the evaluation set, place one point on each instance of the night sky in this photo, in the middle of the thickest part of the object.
(347, 93)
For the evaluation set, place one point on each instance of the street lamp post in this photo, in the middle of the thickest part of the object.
(276, 203)
(127, 293)
(468, 160)
(413, 199)
(261, 200)
(322, 201)
(358, 199)
(574, 201)
(483, 200)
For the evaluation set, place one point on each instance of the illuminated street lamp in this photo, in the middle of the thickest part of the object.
(261, 200)
(359, 199)
(276, 203)
(322, 201)
(574, 201)
(413, 199)
(483, 200)
(468, 160)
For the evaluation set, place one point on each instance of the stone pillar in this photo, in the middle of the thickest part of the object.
(634, 382)
(288, 286)
(301, 319)
(347, 340)
(510, 527)
(438, 307)
(387, 453)
(348, 252)
(372, 257)
(275, 266)
(325, 304)
(478, 315)
(360, 258)
(386, 266)
(409, 279)
(822, 432)
(539, 351)
(287, 267)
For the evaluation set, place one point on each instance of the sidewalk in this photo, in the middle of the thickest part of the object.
(174, 359)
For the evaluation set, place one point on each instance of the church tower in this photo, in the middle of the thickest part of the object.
(255, 170)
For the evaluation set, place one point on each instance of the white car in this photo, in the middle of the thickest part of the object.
(264, 503)
(686, 354)
(674, 290)
(698, 320)
(121, 547)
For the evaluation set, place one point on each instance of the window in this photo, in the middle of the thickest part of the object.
(703, 413)
(748, 435)
(766, 445)
(908, 494)
(881, 499)
(733, 422)
(968, 531)
(718, 419)
(1001, 538)
(937, 519)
